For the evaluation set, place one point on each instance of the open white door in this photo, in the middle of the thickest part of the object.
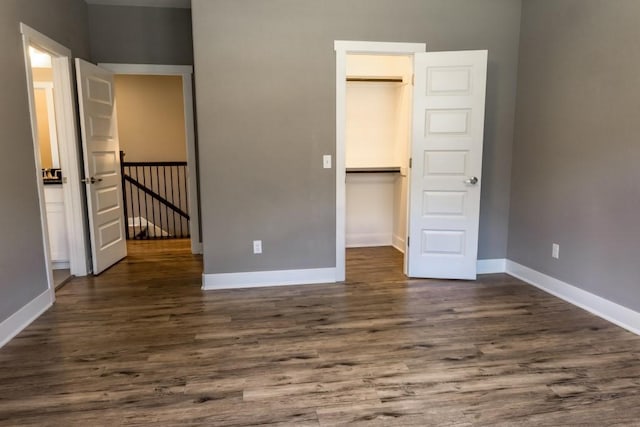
(448, 127)
(101, 152)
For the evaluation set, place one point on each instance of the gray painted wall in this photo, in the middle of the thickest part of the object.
(266, 114)
(576, 173)
(140, 35)
(21, 246)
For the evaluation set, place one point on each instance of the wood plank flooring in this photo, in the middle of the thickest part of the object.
(60, 277)
(143, 345)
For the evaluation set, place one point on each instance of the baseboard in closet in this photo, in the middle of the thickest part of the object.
(398, 243)
(363, 240)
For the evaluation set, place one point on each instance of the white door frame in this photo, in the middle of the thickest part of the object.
(186, 72)
(343, 48)
(66, 125)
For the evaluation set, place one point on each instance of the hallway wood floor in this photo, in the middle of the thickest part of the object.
(143, 345)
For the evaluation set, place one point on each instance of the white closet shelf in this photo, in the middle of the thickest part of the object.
(384, 169)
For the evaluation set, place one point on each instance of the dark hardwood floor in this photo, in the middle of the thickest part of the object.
(143, 345)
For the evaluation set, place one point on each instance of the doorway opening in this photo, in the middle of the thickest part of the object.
(153, 157)
(377, 151)
(444, 158)
(42, 71)
(373, 141)
(54, 134)
(157, 143)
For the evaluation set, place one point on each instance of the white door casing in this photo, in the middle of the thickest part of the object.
(445, 179)
(343, 48)
(101, 153)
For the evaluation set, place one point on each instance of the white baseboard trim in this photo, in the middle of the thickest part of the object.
(363, 240)
(22, 318)
(256, 279)
(608, 310)
(398, 243)
(60, 265)
(491, 266)
(196, 248)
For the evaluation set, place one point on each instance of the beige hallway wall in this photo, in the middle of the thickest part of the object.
(151, 118)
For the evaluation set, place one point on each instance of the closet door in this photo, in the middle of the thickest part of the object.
(445, 178)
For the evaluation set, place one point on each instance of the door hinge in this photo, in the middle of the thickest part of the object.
(408, 241)
(413, 79)
(410, 162)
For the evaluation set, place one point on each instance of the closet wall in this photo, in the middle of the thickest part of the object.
(377, 149)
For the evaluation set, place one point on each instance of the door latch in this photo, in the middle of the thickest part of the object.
(91, 180)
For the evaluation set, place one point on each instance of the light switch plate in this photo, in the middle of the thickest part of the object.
(326, 161)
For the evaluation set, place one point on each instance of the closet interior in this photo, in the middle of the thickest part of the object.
(378, 135)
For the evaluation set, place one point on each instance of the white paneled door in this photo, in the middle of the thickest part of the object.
(101, 153)
(448, 127)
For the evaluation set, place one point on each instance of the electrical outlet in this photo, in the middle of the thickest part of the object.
(555, 251)
(257, 246)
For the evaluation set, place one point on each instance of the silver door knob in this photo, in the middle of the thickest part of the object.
(473, 180)
(91, 180)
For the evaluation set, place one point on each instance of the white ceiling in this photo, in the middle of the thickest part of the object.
(183, 4)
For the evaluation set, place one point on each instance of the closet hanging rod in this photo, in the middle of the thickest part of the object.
(375, 79)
